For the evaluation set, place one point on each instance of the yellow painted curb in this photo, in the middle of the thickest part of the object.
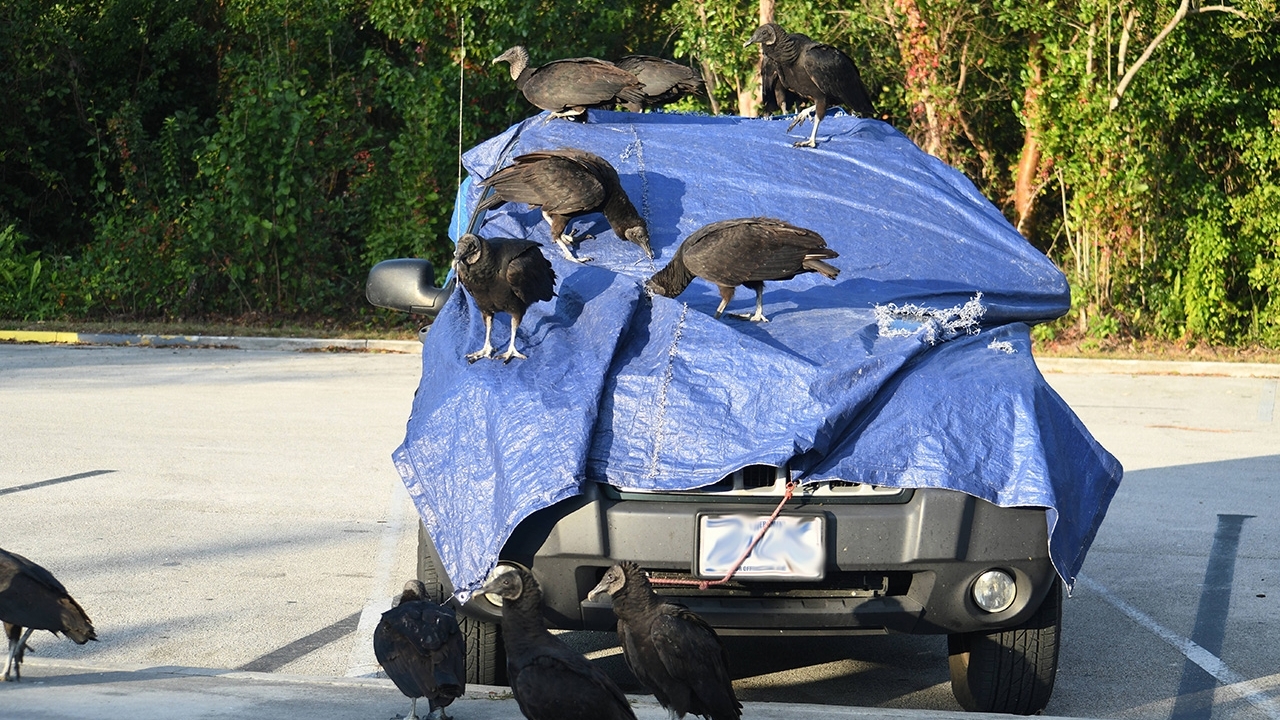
(39, 336)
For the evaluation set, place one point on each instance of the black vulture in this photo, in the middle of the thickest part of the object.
(568, 87)
(664, 81)
(32, 598)
(565, 184)
(550, 680)
(669, 648)
(421, 648)
(746, 252)
(503, 275)
(821, 73)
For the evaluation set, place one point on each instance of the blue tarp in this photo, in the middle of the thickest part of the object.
(912, 369)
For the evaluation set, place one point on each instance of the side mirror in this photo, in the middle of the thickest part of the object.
(408, 285)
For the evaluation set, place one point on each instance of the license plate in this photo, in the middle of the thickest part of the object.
(792, 549)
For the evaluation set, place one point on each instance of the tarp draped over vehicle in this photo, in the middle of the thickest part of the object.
(911, 369)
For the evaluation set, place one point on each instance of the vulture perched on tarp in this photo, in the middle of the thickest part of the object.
(32, 598)
(821, 73)
(419, 645)
(568, 87)
(551, 681)
(565, 184)
(502, 275)
(664, 81)
(669, 648)
(746, 252)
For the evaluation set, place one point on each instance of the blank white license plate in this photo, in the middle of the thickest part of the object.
(793, 548)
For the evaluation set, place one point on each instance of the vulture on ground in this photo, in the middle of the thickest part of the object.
(664, 81)
(421, 648)
(821, 73)
(669, 648)
(568, 87)
(502, 275)
(565, 184)
(32, 598)
(550, 680)
(746, 252)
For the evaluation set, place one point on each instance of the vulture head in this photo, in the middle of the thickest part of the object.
(509, 583)
(611, 583)
(413, 590)
(766, 34)
(469, 250)
(517, 56)
(639, 236)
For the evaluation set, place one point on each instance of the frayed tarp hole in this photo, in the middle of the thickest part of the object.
(933, 325)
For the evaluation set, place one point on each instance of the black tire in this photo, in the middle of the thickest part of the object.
(1009, 671)
(486, 656)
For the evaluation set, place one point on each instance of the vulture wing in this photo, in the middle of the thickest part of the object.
(530, 275)
(580, 82)
(559, 184)
(552, 686)
(731, 252)
(775, 93)
(420, 647)
(835, 74)
(692, 653)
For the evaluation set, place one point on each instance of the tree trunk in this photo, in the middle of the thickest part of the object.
(1025, 186)
(932, 116)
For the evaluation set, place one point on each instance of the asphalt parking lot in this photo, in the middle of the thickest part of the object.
(237, 510)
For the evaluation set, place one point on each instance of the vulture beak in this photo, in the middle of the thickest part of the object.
(598, 591)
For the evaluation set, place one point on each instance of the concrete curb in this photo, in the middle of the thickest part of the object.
(1158, 367)
(1046, 364)
(319, 690)
(214, 341)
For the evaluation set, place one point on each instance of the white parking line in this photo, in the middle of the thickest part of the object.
(1250, 691)
(362, 662)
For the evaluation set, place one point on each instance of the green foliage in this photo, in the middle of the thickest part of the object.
(169, 158)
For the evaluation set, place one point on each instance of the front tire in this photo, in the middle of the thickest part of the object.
(486, 656)
(1009, 671)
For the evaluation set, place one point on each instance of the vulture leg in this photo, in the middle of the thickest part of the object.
(758, 316)
(565, 240)
(511, 347)
(487, 350)
(14, 663)
(726, 294)
(819, 109)
(800, 116)
(9, 659)
(570, 114)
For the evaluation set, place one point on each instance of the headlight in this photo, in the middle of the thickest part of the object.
(994, 591)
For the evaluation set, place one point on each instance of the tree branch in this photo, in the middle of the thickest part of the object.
(1184, 9)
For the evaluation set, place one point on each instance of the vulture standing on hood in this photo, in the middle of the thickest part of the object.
(502, 275)
(664, 81)
(746, 252)
(419, 645)
(550, 680)
(32, 598)
(565, 184)
(568, 87)
(670, 649)
(816, 71)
